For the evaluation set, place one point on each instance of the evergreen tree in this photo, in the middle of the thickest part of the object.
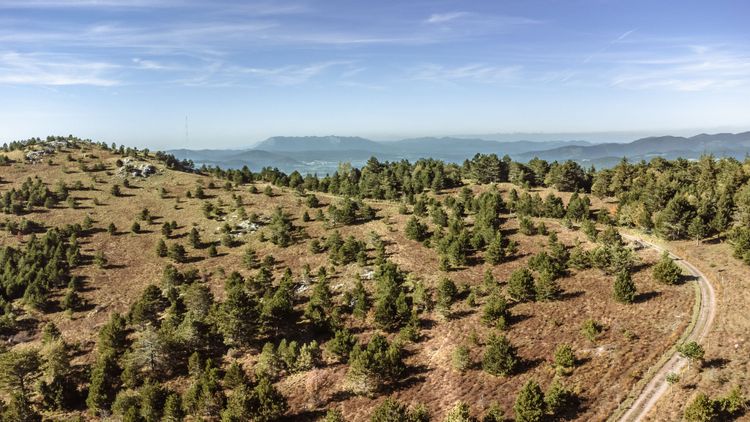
(692, 351)
(447, 292)
(194, 238)
(495, 312)
(281, 228)
(529, 405)
(701, 409)
(104, 383)
(238, 316)
(173, 408)
(415, 230)
(546, 287)
(177, 253)
(459, 413)
(565, 358)
(361, 300)
(666, 271)
(250, 258)
(148, 308)
(161, 248)
(18, 372)
(499, 356)
(495, 253)
(113, 336)
(342, 343)
(521, 285)
(624, 288)
(558, 399)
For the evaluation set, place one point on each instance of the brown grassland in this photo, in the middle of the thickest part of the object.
(635, 336)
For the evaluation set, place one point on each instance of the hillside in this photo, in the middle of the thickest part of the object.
(460, 320)
(669, 147)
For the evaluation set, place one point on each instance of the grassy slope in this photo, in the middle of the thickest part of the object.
(635, 337)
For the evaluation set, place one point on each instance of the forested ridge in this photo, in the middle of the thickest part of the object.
(496, 240)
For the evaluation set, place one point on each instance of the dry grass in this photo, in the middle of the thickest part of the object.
(636, 335)
(727, 359)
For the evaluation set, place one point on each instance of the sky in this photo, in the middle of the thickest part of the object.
(134, 71)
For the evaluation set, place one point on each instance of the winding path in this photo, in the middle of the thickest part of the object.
(647, 397)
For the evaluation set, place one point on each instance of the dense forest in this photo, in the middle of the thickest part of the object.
(174, 354)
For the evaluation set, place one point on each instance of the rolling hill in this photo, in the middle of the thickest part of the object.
(316, 154)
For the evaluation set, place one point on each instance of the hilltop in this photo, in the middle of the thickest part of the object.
(238, 294)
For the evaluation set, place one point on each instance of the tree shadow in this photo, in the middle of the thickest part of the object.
(571, 295)
(305, 415)
(527, 365)
(193, 259)
(645, 297)
(716, 363)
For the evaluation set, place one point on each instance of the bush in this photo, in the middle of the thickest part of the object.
(591, 329)
(666, 271)
(461, 358)
(565, 358)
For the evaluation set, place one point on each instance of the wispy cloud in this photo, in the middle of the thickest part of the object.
(446, 17)
(53, 70)
(31, 4)
(286, 75)
(698, 71)
(477, 72)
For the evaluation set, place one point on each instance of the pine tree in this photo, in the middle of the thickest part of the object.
(250, 258)
(104, 383)
(148, 308)
(499, 356)
(415, 230)
(194, 238)
(529, 405)
(666, 271)
(565, 358)
(113, 336)
(558, 399)
(521, 285)
(361, 300)
(177, 253)
(447, 292)
(546, 287)
(271, 403)
(692, 351)
(461, 358)
(153, 397)
(173, 409)
(495, 253)
(342, 343)
(701, 409)
(624, 288)
(100, 260)
(238, 316)
(18, 372)
(495, 312)
(459, 413)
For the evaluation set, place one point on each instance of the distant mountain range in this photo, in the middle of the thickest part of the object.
(322, 154)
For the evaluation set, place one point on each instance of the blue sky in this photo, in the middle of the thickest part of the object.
(130, 71)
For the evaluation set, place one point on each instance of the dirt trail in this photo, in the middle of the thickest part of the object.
(657, 385)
